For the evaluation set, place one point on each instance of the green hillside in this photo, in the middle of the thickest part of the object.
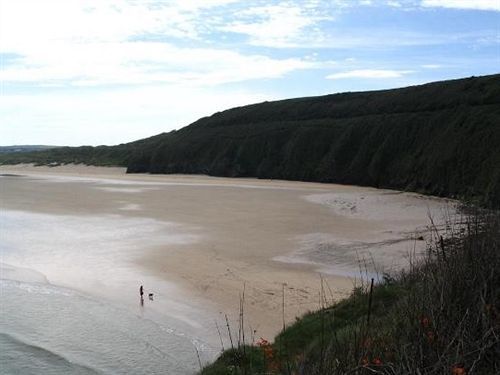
(441, 138)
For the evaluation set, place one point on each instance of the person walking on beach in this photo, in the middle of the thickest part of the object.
(141, 292)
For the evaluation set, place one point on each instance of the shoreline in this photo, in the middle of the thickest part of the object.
(246, 227)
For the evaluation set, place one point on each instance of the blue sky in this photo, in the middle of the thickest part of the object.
(95, 72)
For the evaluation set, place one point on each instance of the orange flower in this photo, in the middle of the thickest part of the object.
(377, 361)
(266, 348)
(458, 370)
(263, 342)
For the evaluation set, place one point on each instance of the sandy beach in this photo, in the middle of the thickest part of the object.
(208, 239)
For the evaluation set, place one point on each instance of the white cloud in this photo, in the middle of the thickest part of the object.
(394, 3)
(109, 42)
(25, 22)
(464, 4)
(431, 66)
(282, 25)
(109, 71)
(370, 73)
(143, 63)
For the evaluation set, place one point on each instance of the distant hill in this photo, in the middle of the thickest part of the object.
(100, 155)
(440, 138)
(24, 148)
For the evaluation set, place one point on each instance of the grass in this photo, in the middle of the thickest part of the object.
(441, 316)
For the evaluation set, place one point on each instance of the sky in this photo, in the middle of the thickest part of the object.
(91, 72)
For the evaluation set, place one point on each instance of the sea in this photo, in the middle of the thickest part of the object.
(69, 305)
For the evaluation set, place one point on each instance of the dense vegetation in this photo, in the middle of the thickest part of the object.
(442, 316)
(440, 138)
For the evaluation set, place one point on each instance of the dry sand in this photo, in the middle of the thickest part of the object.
(259, 235)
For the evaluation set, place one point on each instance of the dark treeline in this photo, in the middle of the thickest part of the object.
(441, 138)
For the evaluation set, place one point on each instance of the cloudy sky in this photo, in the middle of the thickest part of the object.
(95, 72)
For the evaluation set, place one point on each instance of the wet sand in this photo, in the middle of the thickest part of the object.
(260, 236)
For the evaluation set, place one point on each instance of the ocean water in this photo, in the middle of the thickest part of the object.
(51, 330)
(51, 322)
